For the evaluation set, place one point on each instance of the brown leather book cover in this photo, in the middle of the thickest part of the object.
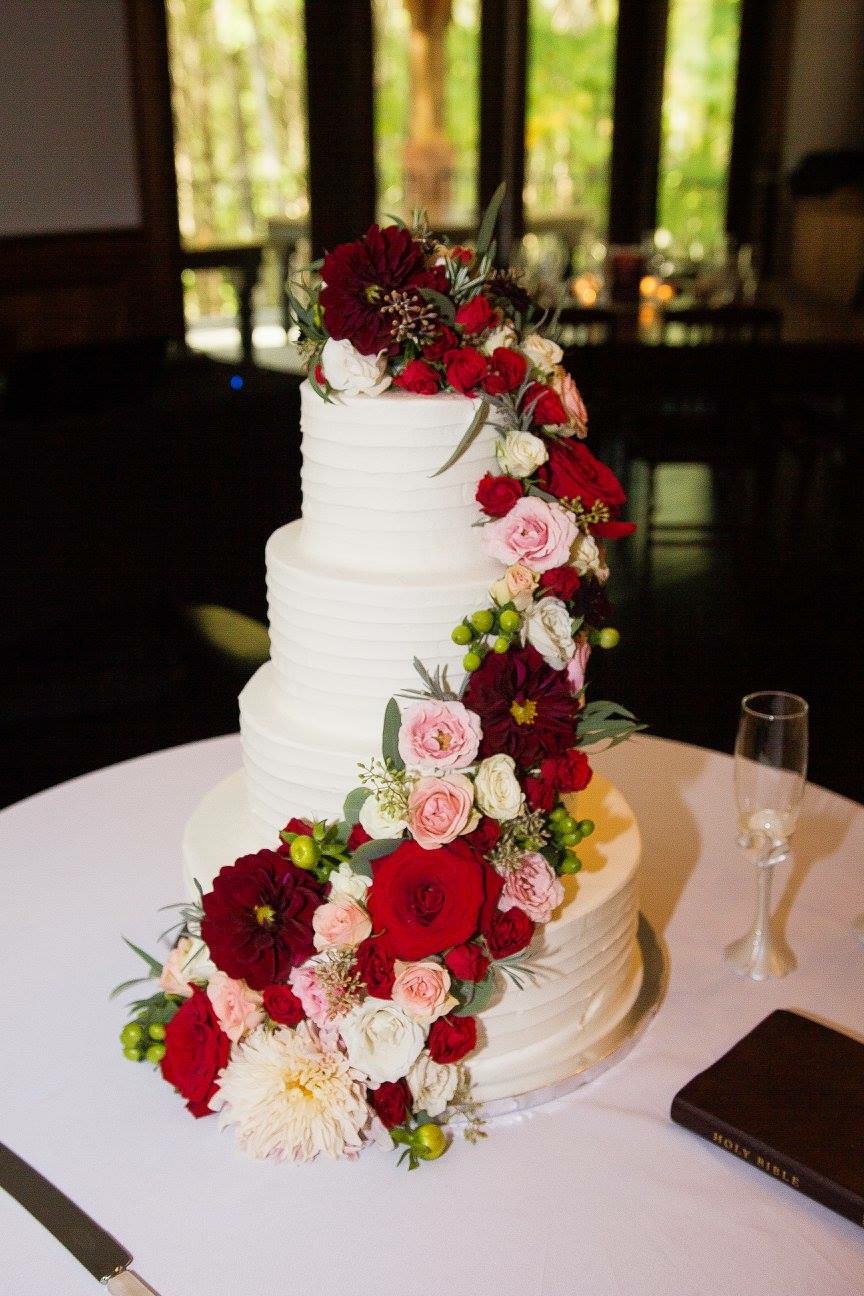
(788, 1099)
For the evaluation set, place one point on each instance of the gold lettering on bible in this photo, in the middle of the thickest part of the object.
(763, 1163)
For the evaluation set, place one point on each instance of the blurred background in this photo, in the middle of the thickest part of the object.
(685, 181)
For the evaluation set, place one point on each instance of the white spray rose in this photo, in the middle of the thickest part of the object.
(376, 823)
(504, 336)
(547, 627)
(588, 558)
(516, 586)
(520, 453)
(349, 885)
(542, 352)
(353, 374)
(496, 788)
(432, 1084)
(381, 1039)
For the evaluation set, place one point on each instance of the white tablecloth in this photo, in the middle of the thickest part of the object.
(600, 1194)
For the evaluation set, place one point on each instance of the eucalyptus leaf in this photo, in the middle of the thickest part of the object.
(478, 996)
(154, 965)
(606, 721)
(490, 220)
(353, 804)
(477, 423)
(390, 735)
(442, 304)
(362, 858)
(541, 494)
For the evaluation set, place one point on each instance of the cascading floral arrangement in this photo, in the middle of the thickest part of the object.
(324, 993)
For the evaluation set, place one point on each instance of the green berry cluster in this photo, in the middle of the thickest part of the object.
(501, 624)
(143, 1038)
(319, 851)
(567, 833)
(424, 1141)
(608, 637)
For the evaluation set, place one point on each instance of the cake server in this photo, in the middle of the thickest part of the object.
(91, 1246)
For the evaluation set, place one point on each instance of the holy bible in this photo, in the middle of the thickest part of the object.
(788, 1099)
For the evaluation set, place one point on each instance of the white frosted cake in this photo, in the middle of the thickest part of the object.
(383, 563)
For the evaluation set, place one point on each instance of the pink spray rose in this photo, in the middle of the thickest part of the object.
(420, 989)
(439, 735)
(308, 989)
(578, 664)
(534, 532)
(341, 921)
(439, 809)
(533, 888)
(238, 1009)
(571, 399)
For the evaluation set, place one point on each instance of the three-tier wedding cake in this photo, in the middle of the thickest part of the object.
(388, 920)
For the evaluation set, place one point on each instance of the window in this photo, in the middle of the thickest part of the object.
(427, 109)
(570, 79)
(698, 103)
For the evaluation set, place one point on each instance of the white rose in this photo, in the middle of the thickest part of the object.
(432, 1084)
(376, 823)
(382, 1040)
(542, 352)
(504, 336)
(588, 558)
(347, 884)
(188, 961)
(520, 453)
(496, 788)
(547, 627)
(351, 373)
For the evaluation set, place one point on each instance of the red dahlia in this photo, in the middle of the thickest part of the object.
(359, 279)
(258, 918)
(525, 707)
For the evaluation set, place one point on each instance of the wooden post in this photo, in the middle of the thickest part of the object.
(503, 49)
(640, 57)
(339, 107)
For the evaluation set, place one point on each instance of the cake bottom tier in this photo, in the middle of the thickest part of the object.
(581, 975)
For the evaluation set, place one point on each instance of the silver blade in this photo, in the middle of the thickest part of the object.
(95, 1249)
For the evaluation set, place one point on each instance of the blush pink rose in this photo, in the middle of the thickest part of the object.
(421, 990)
(439, 735)
(533, 888)
(341, 922)
(534, 532)
(238, 1009)
(174, 978)
(516, 586)
(571, 399)
(577, 665)
(308, 989)
(439, 809)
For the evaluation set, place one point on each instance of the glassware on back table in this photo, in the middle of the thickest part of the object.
(770, 778)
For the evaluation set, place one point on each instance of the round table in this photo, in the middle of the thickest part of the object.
(597, 1193)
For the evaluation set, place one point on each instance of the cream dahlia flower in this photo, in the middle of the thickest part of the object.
(291, 1098)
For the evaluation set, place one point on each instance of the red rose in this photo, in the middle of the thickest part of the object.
(467, 962)
(573, 472)
(476, 316)
(508, 370)
(485, 835)
(426, 900)
(195, 1052)
(358, 836)
(569, 772)
(375, 965)
(563, 582)
(301, 826)
(258, 918)
(419, 377)
(465, 368)
(391, 1101)
(545, 406)
(444, 340)
(462, 254)
(282, 1005)
(451, 1038)
(496, 494)
(320, 376)
(507, 933)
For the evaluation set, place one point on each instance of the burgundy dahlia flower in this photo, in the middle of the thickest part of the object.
(258, 918)
(359, 279)
(525, 707)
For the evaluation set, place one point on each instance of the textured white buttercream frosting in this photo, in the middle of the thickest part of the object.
(385, 561)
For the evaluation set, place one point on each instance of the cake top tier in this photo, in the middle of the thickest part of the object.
(372, 503)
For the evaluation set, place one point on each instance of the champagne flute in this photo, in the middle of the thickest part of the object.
(770, 777)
